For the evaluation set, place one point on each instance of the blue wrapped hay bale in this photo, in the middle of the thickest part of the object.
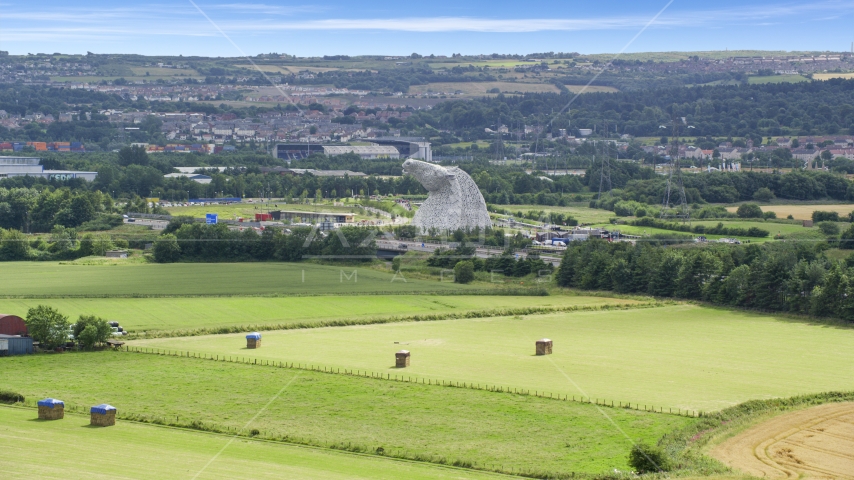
(102, 415)
(253, 340)
(51, 409)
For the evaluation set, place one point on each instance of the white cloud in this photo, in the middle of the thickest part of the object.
(258, 18)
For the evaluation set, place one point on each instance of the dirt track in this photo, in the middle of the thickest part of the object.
(815, 443)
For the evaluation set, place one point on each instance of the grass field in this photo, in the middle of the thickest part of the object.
(481, 88)
(482, 427)
(143, 314)
(648, 231)
(757, 80)
(69, 449)
(803, 212)
(164, 72)
(685, 356)
(582, 214)
(774, 228)
(53, 279)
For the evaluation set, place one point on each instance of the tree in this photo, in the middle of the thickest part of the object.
(749, 210)
(47, 326)
(646, 458)
(763, 194)
(166, 249)
(846, 240)
(91, 330)
(464, 271)
(133, 155)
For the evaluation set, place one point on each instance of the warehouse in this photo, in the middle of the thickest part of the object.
(31, 167)
(312, 217)
(15, 345)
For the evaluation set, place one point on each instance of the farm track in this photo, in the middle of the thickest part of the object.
(814, 443)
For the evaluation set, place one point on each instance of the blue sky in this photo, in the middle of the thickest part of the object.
(327, 27)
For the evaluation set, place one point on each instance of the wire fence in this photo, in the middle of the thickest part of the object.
(416, 380)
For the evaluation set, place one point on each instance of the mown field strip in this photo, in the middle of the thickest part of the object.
(681, 356)
(182, 316)
(450, 425)
(402, 377)
(67, 449)
(55, 280)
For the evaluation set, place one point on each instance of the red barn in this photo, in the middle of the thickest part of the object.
(12, 325)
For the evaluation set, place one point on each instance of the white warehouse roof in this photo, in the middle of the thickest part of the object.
(383, 150)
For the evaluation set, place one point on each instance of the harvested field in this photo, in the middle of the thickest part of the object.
(815, 443)
(828, 76)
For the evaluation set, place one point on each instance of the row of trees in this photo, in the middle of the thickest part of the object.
(794, 277)
(52, 329)
(184, 240)
(634, 182)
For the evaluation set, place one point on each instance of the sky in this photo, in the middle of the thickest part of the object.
(230, 28)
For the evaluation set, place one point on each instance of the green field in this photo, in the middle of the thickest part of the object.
(773, 227)
(68, 449)
(145, 314)
(756, 80)
(52, 279)
(406, 419)
(584, 215)
(684, 356)
(646, 231)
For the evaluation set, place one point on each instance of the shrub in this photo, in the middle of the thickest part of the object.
(103, 222)
(646, 458)
(846, 240)
(464, 271)
(820, 216)
(764, 194)
(828, 228)
(395, 264)
(749, 210)
(13, 245)
(91, 330)
(10, 397)
(769, 215)
(166, 249)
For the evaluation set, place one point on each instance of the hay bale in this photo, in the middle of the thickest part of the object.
(544, 346)
(253, 340)
(102, 415)
(401, 359)
(51, 409)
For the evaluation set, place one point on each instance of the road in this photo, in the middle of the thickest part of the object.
(480, 252)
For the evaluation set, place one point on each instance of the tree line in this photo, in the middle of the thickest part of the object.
(791, 277)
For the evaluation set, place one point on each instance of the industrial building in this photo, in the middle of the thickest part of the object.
(30, 167)
(15, 345)
(196, 177)
(386, 148)
(312, 217)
